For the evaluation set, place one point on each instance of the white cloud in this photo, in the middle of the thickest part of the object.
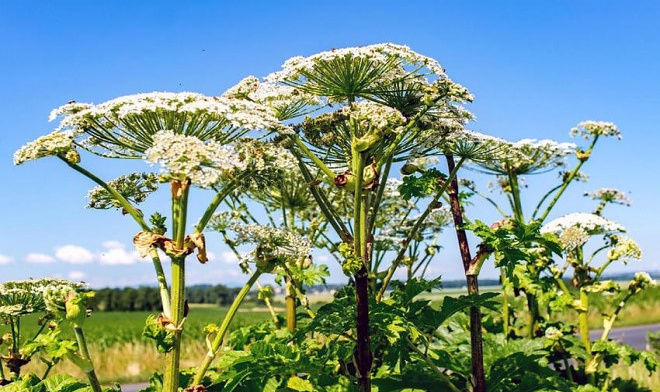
(39, 258)
(77, 275)
(5, 259)
(229, 257)
(115, 253)
(210, 255)
(74, 254)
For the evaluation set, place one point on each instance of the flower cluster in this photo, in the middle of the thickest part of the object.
(573, 237)
(641, 281)
(366, 69)
(262, 156)
(286, 102)
(273, 245)
(477, 147)
(134, 187)
(610, 195)
(20, 297)
(590, 223)
(625, 249)
(591, 129)
(372, 116)
(529, 156)
(124, 126)
(184, 157)
(55, 143)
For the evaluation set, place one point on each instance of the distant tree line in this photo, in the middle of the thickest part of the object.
(148, 298)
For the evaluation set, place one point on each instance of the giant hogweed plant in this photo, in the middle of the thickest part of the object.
(527, 252)
(532, 157)
(199, 142)
(385, 104)
(348, 118)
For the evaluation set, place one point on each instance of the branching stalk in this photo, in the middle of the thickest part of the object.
(224, 327)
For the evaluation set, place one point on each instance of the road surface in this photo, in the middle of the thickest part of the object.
(632, 336)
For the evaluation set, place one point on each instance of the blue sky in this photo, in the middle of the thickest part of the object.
(536, 69)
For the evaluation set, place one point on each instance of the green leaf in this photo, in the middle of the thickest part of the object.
(63, 383)
(427, 184)
(298, 384)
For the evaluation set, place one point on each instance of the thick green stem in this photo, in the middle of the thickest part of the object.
(533, 314)
(515, 194)
(583, 319)
(594, 363)
(379, 196)
(363, 355)
(290, 305)
(269, 304)
(84, 353)
(180, 192)
(325, 169)
(224, 327)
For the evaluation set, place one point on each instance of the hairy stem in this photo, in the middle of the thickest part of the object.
(180, 191)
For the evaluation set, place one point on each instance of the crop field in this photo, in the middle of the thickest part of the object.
(124, 355)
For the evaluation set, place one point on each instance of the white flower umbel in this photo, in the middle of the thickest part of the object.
(134, 187)
(285, 101)
(625, 250)
(281, 244)
(189, 157)
(610, 195)
(573, 237)
(475, 146)
(529, 156)
(364, 68)
(123, 127)
(55, 143)
(591, 223)
(371, 116)
(591, 129)
(27, 296)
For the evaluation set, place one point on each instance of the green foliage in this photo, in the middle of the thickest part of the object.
(428, 183)
(56, 383)
(155, 330)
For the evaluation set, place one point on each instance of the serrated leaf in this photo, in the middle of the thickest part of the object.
(298, 384)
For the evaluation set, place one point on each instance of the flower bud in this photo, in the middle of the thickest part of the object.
(409, 169)
(72, 156)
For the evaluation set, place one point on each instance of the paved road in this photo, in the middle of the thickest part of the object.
(633, 336)
(133, 387)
